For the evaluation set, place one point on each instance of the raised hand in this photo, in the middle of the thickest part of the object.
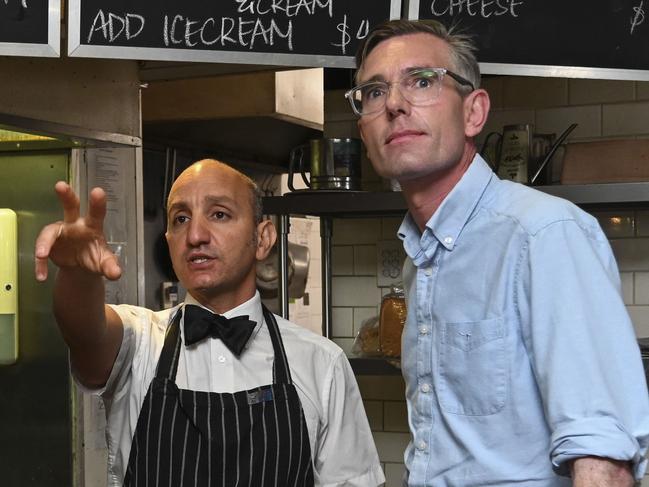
(77, 242)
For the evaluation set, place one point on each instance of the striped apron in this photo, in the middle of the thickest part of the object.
(202, 439)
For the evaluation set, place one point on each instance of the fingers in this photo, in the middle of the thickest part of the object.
(96, 209)
(44, 243)
(69, 200)
(110, 267)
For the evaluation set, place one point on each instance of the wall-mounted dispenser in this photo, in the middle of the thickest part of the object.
(8, 287)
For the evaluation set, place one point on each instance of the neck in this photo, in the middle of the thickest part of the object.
(424, 195)
(221, 302)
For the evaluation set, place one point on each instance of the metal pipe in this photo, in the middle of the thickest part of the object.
(326, 232)
(282, 295)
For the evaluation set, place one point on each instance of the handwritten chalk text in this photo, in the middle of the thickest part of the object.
(638, 16)
(481, 8)
(183, 31)
(112, 26)
(289, 8)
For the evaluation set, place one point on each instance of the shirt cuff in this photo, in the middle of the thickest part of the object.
(605, 438)
(372, 478)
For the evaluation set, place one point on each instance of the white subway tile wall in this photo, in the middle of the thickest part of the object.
(625, 119)
(603, 109)
(525, 92)
(588, 91)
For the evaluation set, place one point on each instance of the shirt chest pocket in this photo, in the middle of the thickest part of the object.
(473, 367)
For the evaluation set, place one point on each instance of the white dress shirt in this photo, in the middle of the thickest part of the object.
(342, 446)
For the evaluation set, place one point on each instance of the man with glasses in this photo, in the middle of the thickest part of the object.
(519, 358)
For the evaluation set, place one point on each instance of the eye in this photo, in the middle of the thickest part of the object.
(372, 92)
(220, 215)
(422, 83)
(180, 219)
(421, 80)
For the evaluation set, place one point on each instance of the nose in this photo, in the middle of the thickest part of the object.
(395, 103)
(198, 232)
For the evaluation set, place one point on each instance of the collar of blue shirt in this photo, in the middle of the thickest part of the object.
(446, 224)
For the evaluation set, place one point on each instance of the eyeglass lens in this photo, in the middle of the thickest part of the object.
(418, 87)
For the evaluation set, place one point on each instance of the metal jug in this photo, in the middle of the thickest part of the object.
(334, 164)
(521, 155)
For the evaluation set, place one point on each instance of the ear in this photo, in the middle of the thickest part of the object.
(476, 110)
(266, 237)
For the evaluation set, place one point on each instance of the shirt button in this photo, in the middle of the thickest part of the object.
(424, 387)
(428, 271)
(448, 240)
(221, 359)
(421, 445)
(423, 330)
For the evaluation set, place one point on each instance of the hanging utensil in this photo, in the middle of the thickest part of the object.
(552, 150)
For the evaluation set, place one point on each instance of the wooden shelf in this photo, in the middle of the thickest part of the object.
(374, 366)
(604, 194)
(390, 203)
(336, 203)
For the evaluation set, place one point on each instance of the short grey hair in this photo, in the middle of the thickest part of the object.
(462, 48)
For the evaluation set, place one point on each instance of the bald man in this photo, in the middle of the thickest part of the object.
(216, 391)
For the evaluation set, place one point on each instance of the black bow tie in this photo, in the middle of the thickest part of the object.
(201, 323)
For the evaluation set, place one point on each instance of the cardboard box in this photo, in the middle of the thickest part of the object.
(610, 161)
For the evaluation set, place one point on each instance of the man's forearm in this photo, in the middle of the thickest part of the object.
(601, 472)
(92, 331)
(79, 306)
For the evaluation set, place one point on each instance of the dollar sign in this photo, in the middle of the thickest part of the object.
(638, 18)
(345, 38)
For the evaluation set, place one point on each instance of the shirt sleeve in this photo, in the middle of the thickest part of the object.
(119, 373)
(582, 347)
(346, 454)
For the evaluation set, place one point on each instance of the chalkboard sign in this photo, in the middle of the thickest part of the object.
(571, 38)
(278, 32)
(30, 28)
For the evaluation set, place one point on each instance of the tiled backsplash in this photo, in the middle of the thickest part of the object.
(603, 109)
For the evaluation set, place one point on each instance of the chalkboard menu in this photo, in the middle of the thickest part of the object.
(30, 28)
(572, 38)
(279, 32)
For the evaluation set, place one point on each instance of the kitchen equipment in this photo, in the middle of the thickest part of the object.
(334, 164)
(514, 154)
(8, 287)
(544, 163)
(35, 406)
(521, 155)
(298, 271)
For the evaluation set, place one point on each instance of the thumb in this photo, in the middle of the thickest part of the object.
(110, 267)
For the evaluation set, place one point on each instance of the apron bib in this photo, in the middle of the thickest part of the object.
(250, 438)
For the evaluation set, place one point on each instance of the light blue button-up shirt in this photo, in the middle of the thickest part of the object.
(518, 353)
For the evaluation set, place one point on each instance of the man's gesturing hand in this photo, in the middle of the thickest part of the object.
(77, 241)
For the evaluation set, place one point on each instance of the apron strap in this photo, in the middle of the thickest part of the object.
(168, 362)
(281, 371)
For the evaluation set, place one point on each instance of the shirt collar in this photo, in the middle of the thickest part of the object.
(447, 222)
(252, 308)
